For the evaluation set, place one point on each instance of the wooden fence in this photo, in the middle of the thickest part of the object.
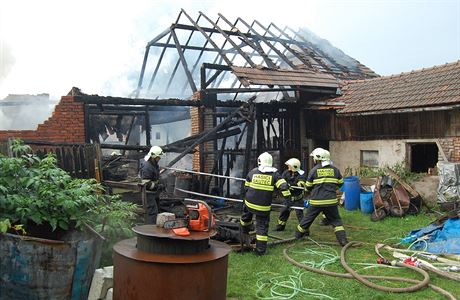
(79, 160)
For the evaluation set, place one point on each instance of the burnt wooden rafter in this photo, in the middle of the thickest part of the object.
(227, 37)
(285, 43)
(200, 140)
(252, 38)
(207, 37)
(184, 65)
(272, 47)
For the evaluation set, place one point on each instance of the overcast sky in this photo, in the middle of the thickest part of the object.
(49, 46)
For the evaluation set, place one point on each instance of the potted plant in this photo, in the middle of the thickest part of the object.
(48, 248)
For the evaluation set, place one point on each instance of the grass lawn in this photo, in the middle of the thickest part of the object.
(246, 270)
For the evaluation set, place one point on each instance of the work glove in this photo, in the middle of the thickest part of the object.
(289, 203)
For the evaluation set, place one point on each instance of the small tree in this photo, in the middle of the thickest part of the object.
(34, 191)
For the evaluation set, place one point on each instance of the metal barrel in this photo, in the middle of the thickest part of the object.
(166, 271)
(35, 268)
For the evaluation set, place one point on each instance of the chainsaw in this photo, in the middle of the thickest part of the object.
(198, 218)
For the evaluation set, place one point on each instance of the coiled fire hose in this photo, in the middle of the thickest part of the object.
(363, 278)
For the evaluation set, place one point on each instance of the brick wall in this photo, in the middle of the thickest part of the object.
(451, 147)
(66, 124)
(198, 125)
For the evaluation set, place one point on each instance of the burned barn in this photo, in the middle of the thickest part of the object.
(213, 94)
(410, 117)
(250, 83)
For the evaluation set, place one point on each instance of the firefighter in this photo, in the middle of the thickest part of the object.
(149, 171)
(322, 182)
(260, 184)
(294, 176)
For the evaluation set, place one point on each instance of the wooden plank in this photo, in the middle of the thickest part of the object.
(403, 183)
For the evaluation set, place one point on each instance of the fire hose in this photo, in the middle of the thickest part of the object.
(220, 176)
(363, 278)
(231, 199)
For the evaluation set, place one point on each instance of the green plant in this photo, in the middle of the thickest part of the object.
(34, 191)
(399, 168)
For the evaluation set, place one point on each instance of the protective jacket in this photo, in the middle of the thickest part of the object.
(260, 185)
(150, 170)
(295, 179)
(323, 182)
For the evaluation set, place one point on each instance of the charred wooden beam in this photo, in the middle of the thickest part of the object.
(181, 50)
(203, 32)
(215, 129)
(227, 37)
(184, 64)
(228, 32)
(250, 43)
(187, 47)
(215, 136)
(267, 42)
(286, 44)
(132, 110)
(160, 59)
(157, 67)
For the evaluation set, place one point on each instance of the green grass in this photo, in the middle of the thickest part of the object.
(244, 269)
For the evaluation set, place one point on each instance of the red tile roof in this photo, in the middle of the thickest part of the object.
(266, 76)
(437, 86)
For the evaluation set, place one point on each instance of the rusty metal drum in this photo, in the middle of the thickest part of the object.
(36, 268)
(156, 273)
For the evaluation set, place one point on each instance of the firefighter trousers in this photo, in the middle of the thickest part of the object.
(262, 222)
(286, 211)
(332, 215)
(153, 207)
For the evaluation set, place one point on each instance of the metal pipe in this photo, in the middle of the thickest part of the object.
(220, 176)
(231, 199)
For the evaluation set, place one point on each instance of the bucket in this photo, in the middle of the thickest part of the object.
(365, 201)
(352, 189)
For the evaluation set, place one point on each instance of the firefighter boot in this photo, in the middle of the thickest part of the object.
(280, 227)
(300, 232)
(341, 237)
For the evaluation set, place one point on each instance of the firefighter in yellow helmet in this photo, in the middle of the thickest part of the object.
(294, 176)
(322, 182)
(149, 171)
(260, 184)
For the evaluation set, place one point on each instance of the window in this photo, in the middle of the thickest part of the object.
(369, 158)
(157, 135)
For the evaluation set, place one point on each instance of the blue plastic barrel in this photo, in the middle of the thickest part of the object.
(352, 189)
(365, 201)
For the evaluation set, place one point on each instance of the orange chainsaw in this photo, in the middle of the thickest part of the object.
(199, 218)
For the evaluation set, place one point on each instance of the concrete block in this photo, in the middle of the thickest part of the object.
(163, 217)
(102, 282)
(109, 295)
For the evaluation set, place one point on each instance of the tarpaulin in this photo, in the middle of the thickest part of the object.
(444, 238)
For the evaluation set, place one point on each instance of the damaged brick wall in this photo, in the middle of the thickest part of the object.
(202, 119)
(66, 124)
(451, 148)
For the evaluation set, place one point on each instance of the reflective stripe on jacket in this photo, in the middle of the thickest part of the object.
(260, 187)
(323, 183)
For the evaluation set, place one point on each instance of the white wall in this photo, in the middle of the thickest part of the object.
(348, 153)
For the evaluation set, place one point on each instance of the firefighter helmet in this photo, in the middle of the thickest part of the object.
(294, 163)
(155, 151)
(320, 154)
(265, 160)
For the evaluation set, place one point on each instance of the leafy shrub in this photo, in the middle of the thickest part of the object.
(399, 168)
(34, 190)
